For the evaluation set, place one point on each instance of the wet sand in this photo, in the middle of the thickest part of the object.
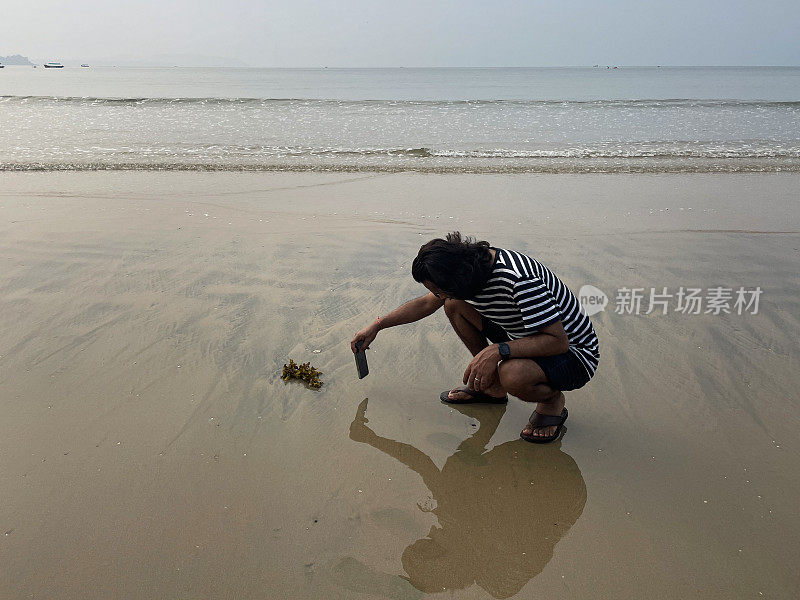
(149, 449)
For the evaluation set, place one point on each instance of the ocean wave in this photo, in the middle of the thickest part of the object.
(623, 153)
(232, 153)
(628, 103)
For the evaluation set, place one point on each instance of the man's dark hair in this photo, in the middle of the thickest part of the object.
(459, 266)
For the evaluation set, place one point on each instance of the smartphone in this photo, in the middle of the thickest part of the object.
(361, 361)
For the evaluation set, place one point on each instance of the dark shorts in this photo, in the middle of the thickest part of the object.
(564, 372)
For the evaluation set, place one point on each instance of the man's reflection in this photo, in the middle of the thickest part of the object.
(500, 513)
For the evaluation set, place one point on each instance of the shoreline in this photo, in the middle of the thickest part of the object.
(644, 166)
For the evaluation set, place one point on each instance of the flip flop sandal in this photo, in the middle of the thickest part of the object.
(474, 397)
(540, 420)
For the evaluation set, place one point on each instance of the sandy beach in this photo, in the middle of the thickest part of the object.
(149, 448)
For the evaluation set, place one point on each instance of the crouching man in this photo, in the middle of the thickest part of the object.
(525, 329)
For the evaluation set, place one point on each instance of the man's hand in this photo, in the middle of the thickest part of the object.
(365, 336)
(481, 373)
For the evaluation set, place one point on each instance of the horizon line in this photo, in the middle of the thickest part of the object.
(595, 66)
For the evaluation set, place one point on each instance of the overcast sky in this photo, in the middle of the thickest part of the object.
(359, 33)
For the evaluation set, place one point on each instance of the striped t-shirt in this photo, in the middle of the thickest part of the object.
(523, 296)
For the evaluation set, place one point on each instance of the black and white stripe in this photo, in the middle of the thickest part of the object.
(522, 296)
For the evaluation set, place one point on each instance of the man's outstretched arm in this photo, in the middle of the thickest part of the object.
(411, 311)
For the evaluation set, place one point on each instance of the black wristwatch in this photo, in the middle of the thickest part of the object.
(505, 351)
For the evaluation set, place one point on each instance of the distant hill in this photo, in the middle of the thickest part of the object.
(161, 60)
(15, 59)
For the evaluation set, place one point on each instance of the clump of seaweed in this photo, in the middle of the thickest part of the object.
(304, 372)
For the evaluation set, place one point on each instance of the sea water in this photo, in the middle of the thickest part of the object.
(654, 119)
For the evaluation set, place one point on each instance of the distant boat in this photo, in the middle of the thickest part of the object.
(53, 65)
(84, 65)
(2, 66)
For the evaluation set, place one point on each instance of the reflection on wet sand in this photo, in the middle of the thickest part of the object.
(500, 512)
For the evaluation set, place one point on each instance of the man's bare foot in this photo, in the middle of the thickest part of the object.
(459, 395)
(546, 408)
